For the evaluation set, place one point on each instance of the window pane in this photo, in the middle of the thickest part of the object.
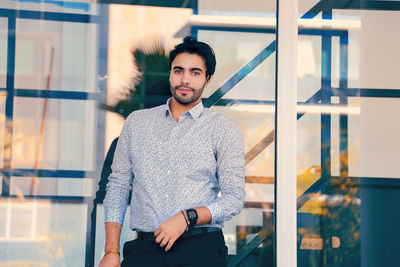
(3, 52)
(2, 125)
(378, 57)
(233, 51)
(375, 135)
(55, 55)
(237, 8)
(74, 6)
(309, 149)
(308, 66)
(54, 134)
(349, 151)
(42, 233)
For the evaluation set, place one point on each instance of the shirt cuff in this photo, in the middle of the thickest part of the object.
(115, 204)
(114, 216)
(216, 214)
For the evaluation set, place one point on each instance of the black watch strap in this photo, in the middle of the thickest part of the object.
(192, 216)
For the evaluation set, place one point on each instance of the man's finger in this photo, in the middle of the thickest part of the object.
(157, 232)
(159, 238)
(165, 241)
(170, 243)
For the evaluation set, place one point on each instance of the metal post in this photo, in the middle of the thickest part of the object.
(285, 146)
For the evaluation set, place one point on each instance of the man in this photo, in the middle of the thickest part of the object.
(185, 167)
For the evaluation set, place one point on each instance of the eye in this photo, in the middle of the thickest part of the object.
(196, 73)
(177, 71)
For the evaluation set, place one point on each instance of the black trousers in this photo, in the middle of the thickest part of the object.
(206, 249)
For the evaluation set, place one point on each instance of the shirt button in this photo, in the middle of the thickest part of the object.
(166, 195)
(168, 171)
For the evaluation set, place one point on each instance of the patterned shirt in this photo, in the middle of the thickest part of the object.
(174, 165)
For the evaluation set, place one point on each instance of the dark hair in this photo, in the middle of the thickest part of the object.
(192, 46)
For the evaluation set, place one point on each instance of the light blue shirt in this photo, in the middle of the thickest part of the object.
(172, 166)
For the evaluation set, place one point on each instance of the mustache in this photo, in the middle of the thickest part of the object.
(183, 87)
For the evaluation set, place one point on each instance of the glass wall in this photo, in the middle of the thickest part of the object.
(51, 129)
(71, 72)
(348, 175)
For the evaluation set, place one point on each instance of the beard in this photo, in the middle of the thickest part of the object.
(188, 98)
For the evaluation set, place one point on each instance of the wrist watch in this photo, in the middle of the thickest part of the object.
(192, 216)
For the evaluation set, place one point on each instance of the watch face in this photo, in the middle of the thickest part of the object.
(192, 214)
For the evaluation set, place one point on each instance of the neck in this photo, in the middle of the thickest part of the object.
(177, 109)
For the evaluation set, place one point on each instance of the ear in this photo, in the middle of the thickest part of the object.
(208, 78)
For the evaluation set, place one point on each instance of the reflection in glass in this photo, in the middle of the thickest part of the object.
(60, 134)
(77, 7)
(256, 219)
(233, 51)
(56, 135)
(48, 227)
(42, 233)
(236, 8)
(54, 55)
(348, 183)
(308, 66)
(3, 52)
(2, 126)
(49, 186)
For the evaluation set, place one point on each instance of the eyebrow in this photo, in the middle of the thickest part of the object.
(192, 69)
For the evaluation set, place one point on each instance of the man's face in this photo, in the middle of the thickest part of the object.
(188, 78)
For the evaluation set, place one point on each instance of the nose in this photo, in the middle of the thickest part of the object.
(185, 79)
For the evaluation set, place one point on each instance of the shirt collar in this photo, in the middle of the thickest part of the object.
(195, 112)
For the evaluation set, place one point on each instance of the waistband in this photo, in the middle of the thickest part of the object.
(190, 232)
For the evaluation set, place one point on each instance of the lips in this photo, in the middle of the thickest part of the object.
(184, 90)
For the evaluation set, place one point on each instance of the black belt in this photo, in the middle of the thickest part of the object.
(190, 232)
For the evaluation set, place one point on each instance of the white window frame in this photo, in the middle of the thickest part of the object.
(286, 133)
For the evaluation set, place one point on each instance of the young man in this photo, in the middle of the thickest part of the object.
(185, 167)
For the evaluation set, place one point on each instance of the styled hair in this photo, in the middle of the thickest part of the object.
(192, 46)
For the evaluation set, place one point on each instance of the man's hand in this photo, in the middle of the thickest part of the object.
(170, 230)
(110, 260)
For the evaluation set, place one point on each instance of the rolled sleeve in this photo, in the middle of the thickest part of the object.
(120, 180)
(230, 174)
